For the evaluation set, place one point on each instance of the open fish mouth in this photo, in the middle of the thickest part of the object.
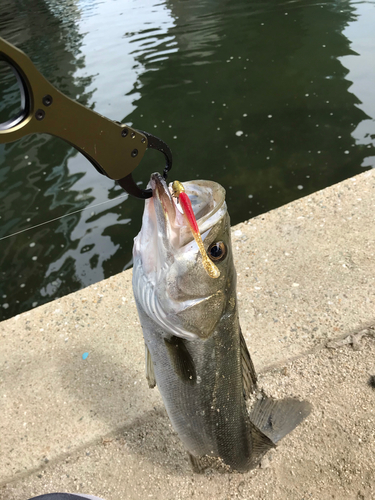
(207, 199)
(164, 203)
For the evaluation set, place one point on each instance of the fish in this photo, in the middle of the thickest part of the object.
(195, 352)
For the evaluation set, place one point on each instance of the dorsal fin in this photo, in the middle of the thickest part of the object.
(249, 378)
(276, 418)
(181, 359)
(260, 445)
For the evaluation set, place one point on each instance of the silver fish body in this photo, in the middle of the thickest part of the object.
(195, 351)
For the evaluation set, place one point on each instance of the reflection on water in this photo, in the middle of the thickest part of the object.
(362, 73)
(257, 96)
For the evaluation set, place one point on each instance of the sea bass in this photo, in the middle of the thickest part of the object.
(195, 350)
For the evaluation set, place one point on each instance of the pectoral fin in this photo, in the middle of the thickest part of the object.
(249, 377)
(181, 359)
(150, 374)
(276, 418)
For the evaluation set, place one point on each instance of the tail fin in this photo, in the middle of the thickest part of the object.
(276, 418)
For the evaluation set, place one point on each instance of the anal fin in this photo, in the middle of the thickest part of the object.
(277, 418)
(197, 464)
(150, 374)
(249, 378)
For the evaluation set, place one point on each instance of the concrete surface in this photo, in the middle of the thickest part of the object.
(306, 275)
(329, 456)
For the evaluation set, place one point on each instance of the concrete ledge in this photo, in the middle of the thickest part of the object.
(306, 274)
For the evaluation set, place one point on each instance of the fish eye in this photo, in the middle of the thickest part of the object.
(217, 251)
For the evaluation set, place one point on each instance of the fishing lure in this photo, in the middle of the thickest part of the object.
(178, 191)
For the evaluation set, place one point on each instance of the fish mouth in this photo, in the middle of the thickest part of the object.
(208, 203)
(162, 195)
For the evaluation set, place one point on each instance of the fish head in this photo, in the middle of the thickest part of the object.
(170, 283)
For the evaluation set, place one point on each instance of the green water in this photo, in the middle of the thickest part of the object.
(274, 100)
